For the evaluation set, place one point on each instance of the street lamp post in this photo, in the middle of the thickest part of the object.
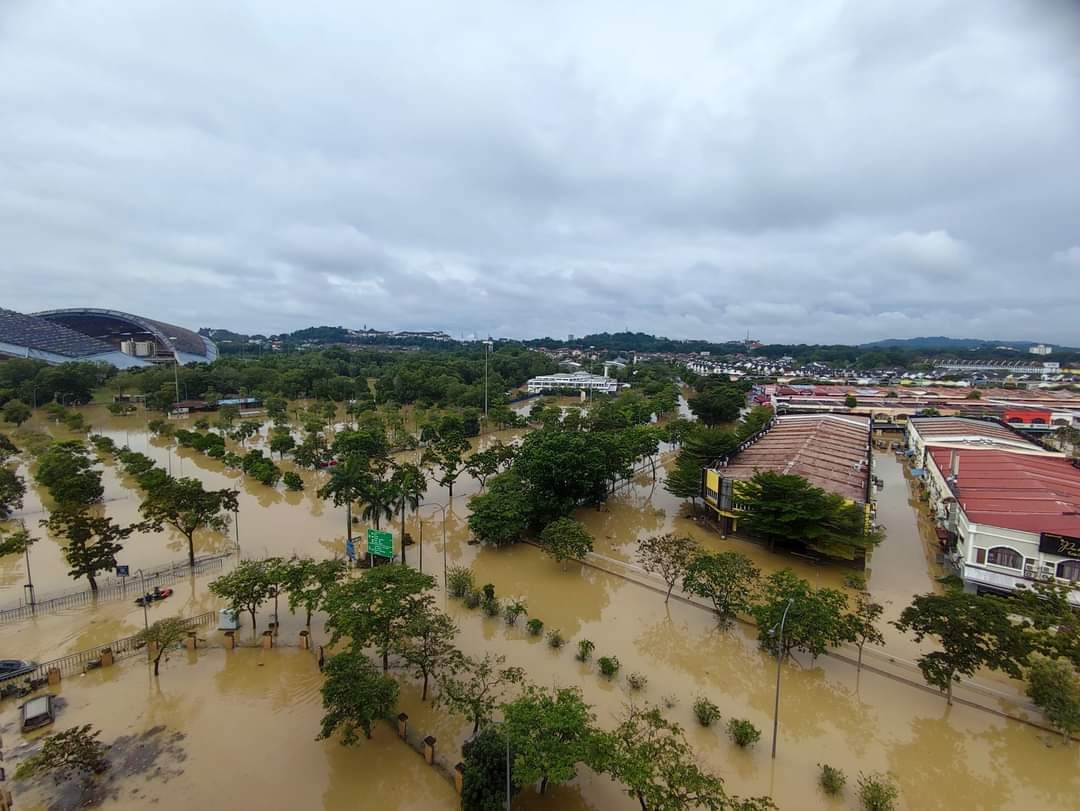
(145, 615)
(487, 354)
(779, 663)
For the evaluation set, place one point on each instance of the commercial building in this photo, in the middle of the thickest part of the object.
(831, 451)
(573, 381)
(1006, 518)
(960, 432)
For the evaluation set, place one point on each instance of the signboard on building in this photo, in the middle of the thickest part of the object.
(380, 543)
(1067, 546)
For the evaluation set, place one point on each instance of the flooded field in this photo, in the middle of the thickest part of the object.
(267, 702)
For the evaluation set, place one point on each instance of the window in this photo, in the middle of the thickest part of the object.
(1069, 570)
(1004, 556)
(980, 556)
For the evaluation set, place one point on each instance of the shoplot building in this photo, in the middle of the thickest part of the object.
(1007, 517)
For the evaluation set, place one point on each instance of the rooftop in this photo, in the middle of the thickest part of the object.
(1015, 491)
(962, 431)
(828, 450)
(37, 333)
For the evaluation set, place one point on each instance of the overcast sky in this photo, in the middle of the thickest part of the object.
(820, 171)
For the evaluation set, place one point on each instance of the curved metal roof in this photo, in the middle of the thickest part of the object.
(179, 340)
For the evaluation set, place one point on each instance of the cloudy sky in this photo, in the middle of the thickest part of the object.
(822, 171)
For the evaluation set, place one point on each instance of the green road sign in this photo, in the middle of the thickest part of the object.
(380, 543)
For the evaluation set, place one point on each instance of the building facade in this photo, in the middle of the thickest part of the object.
(576, 381)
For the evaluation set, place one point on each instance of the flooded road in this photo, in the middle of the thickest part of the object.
(250, 717)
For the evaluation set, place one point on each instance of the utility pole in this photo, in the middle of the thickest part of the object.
(779, 663)
(488, 345)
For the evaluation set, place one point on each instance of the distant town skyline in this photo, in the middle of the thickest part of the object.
(837, 172)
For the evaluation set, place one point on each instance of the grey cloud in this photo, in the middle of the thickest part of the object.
(839, 172)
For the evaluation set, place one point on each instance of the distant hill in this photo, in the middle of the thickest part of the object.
(941, 342)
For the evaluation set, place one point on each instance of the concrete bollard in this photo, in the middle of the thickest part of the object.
(429, 750)
(190, 641)
(305, 640)
(459, 778)
(230, 640)
(54, 676)
(107, 657)
(268, 639)
(402, 725)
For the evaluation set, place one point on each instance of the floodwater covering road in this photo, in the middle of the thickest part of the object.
(941, 757)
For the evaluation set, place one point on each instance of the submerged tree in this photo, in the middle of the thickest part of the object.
(186, 506)
(354, 695)
(726, 579)
(485, 774)
(974, 632)
(73, 753)
(92, 541)
(67, 471)
(247, 586)
(475, 687)
(1054, 686)
(816, 620)
(163, 634)
(668, 556)
(427, 644)
(566, 538)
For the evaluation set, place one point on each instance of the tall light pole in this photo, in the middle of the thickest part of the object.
(779, 663)
(488, 345)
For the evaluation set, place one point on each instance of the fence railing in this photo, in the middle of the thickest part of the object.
(81, 661)
(112, 588)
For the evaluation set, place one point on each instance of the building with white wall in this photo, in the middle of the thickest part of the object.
(576, 381)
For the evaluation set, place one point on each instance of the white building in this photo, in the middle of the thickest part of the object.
(578, 381)
(1005, 518)
(1040, 349)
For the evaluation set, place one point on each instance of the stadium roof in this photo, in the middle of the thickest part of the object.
(180, 340)
(37, 333)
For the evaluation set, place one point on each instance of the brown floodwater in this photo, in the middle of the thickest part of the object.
(947, 758)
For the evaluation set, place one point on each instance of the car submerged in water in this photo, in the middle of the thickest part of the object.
(9, 668)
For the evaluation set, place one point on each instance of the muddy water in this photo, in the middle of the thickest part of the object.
(248, 719)
(943, 758)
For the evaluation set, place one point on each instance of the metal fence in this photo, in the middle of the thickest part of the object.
(112, 588)
(81, 661)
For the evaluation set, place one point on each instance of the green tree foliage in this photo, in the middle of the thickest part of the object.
(1054, 686)
(281, 442)
(72, 753)
(701, 447)
(292, 481)
(974, 632)
(67, 471)
(164, 634)
(247, 586)
(348, 483)
(551, 732)
(863, 622)
(408, 485)
(474, 688)
(566, 538)
(484, 777)
(375, 609)
(7, 448)
(92, 541)
(650, 756)
(877, 792)
(783, 507)
(12, 490)
(186, 506)
(307, 582)
(717, 401)
(817, 620)
(16, 411)
(447, 457)
(427, 644)
(726, 579)
(354, 695)
(1049, 619)
(501, 515)
(668, 556)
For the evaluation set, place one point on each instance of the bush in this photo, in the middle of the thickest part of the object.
(459, 581)
(535, 626)
(671, 701)
(513, 610)
(473, 599)
(637, 681)
(743, 732)
(705, 711)
(555, 639)
(491, 607)
(584, 650)
(832, 780)
(609, 665)
(877, 792)
(293, 481)
(489, 591)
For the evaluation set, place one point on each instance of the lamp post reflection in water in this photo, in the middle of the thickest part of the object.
(441, 507)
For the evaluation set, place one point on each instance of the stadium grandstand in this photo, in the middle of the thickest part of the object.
(120, 339)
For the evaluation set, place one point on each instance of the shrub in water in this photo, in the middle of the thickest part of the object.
(535, 626)
(609, 665)
(473, 599)
(705, 711)
(459, 581)
(491, 607)
(832, 779)
(877, 792)
(555, 639)
(743, 732)
(637, 681)
(293, 481)
(489, 591)
(584, 650)
(513, 610)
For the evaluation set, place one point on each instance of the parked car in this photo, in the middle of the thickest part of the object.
(16, 667)
(37, 712)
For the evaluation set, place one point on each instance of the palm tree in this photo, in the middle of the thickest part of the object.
(410, 483)
(350, 481)
(379, 495)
